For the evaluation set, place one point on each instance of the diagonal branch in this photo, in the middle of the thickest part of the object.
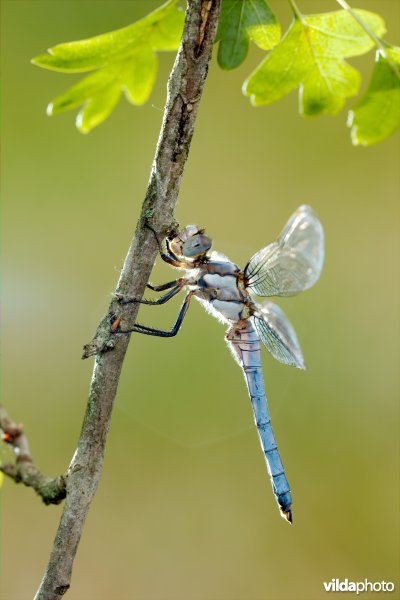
(185, 87)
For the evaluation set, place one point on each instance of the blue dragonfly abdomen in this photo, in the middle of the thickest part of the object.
(244, 343)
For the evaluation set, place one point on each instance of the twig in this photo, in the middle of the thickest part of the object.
(52, 491)
(296, 10)
(380, 44)
(185, 87)
(362, 24)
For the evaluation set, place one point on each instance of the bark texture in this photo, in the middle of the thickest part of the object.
(185, 86)
(52, 491)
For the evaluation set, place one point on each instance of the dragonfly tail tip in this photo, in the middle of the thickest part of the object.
(287, 514)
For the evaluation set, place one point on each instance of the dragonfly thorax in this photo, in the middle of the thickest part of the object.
(191, 242)
(217, 283)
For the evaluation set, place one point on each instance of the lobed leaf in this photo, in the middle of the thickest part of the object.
(139, 76)
(311, 57)
(241, 21)
(377, 114)
(82, 91)
(161, 29)
(98, 108)
(125, 60)
(165, 33)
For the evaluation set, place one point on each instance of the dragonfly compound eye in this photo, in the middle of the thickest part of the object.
(197, 245)
(176, 243)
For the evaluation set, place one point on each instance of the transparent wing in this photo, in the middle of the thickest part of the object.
(278, 335)
(291, 264)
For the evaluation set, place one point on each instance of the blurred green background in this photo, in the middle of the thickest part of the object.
(185, 509)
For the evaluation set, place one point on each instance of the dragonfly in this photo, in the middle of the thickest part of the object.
(285, 267)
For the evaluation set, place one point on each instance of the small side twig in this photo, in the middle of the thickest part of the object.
(51, 490)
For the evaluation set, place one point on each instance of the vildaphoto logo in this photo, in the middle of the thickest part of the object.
(335, 585)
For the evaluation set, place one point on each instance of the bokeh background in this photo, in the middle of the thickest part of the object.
(185, 510)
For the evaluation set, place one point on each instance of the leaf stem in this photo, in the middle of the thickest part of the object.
(296, 10)
(379, 43)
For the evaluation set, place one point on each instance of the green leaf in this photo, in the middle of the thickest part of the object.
(310, 57)
(135, 76)
(165, 33)
(161, 29)
(85, 89)
(241, 21)
(377, 114)
(1, 477)
(98, 108)
(125, 60)
(139, 76)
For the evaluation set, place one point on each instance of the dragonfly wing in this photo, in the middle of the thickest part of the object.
(278, 335)
(291, 264)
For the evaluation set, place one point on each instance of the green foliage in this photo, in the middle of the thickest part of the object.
(241, 21)
(310, 57)
(377, 114)
(125, 61)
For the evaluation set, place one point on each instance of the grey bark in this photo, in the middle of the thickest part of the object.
(52, 491)
(185, 87)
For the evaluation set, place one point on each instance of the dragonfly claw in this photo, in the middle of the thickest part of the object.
(124, 299)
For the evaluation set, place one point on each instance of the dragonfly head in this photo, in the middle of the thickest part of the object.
(191, 242)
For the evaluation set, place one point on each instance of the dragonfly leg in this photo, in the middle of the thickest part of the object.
(169, 251)
(154, 232)
(159, 332)
(164, 286)
(175, 290)
(170, 257)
